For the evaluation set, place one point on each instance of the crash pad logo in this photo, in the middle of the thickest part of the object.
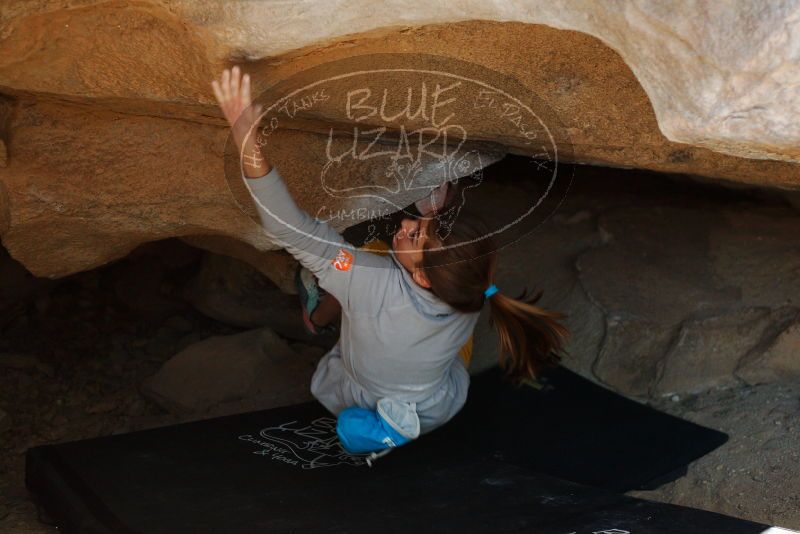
(304, 445)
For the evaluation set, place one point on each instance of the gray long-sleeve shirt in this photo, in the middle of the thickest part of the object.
(398, 340)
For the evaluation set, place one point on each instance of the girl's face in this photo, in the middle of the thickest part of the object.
(407, 245)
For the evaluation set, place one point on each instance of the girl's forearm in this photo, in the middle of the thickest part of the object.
(254, 163)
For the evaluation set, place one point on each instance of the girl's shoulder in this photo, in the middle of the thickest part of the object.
(376, 246)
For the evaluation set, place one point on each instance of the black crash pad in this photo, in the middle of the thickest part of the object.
(282, 470)
(566, 426)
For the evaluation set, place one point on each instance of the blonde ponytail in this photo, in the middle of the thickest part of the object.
(461, 274)
(531, 339)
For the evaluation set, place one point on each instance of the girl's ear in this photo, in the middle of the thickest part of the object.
(419, 277)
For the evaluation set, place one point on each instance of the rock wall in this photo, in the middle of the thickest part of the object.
(719, 75)
(668, 291)
(112, 138)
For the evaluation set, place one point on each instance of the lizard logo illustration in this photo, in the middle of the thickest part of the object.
(305, 445)
(408, 179)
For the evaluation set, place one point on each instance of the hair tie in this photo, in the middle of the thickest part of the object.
(491, 290)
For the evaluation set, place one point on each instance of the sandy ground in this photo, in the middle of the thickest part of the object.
(756, 474)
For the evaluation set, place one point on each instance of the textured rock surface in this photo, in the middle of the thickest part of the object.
(708, 290)
(126, 181)
(224, 369)
(233, 292)
(719, 75)
(275, 265)
(670, 291)
(781, 361)
(139, 146)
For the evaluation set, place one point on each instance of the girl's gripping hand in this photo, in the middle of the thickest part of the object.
(232, 91)
(433, 203)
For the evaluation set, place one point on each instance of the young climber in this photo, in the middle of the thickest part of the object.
(395, 373)
(320, 310)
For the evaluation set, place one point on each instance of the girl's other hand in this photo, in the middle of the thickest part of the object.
(233, 95)
(438, 199)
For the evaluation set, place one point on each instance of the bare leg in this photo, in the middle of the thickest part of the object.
(326, 311)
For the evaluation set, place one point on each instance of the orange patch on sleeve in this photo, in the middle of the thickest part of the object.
(343, 260)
